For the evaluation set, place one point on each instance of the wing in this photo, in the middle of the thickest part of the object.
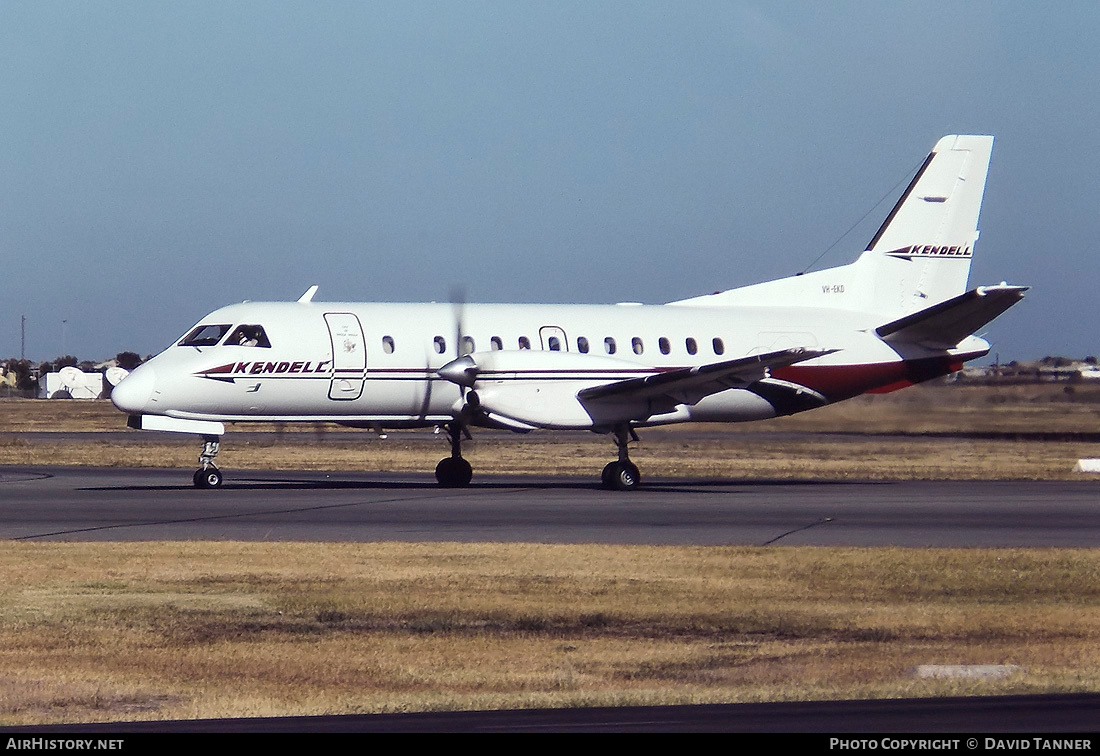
(689, 385)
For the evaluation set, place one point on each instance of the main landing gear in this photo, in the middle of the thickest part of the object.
(208, 476)
(622, 474)
(454, 471)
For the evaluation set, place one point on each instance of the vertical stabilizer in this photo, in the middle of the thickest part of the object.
(921, 255)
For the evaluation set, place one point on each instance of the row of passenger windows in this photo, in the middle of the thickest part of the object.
(254, 335)
(554, 344)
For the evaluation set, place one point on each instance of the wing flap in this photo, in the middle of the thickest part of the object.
(945, 325)
(689, 385)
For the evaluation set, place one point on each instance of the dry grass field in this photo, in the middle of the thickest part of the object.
(124, 631)
(94, 632)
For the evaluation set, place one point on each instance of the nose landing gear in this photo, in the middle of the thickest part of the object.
(208, 476)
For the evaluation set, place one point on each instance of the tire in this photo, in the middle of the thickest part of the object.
(454, 472)
(610, 471)
(211, 477)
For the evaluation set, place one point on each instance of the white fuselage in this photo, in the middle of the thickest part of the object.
(376, 364)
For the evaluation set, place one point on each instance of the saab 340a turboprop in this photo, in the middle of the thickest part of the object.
(898, 315)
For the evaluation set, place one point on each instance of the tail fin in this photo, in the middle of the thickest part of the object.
(921, 255)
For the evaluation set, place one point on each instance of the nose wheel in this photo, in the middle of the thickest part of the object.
(208, 476)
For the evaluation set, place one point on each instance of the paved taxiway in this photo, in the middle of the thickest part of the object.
(1001, 714)
(144, 504)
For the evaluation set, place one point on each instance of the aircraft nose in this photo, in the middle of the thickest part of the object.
(132, 394)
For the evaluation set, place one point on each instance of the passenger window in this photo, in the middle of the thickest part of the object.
(554, 343)
(664, 345)
(496, 344)
(205, 335)
(440, 344)
(524, 342)
(582, 345)
(636, 345)
(248, 335)
(692, 347)
(609, 345)
(719, 347)
(468, 345)
(387, 344)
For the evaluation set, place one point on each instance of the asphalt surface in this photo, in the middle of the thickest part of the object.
(1032, 715)
(146, 504)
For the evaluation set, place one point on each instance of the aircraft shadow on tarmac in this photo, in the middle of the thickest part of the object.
(322, 484)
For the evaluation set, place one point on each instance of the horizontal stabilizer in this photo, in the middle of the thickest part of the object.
(945, 325)
(689, 385)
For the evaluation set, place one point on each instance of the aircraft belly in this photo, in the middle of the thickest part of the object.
(838, 382)
(543, 407)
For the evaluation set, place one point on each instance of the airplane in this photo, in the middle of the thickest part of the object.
(898, 315)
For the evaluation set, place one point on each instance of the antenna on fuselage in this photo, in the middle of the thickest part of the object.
(870, 210)
(308, 296)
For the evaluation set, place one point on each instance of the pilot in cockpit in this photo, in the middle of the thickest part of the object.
(249, 336)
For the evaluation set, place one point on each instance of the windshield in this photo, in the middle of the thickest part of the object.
(205, 335)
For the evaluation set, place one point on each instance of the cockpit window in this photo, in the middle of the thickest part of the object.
(248, 335)
(205, 335)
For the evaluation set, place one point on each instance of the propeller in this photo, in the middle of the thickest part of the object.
(462, 371)
(458, 309)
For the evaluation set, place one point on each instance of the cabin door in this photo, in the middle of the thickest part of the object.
(349, 356)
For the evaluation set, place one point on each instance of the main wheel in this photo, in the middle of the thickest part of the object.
(627, 476)
(454, 472)
(211, 477)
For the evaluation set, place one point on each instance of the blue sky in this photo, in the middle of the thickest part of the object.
(159, 160)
